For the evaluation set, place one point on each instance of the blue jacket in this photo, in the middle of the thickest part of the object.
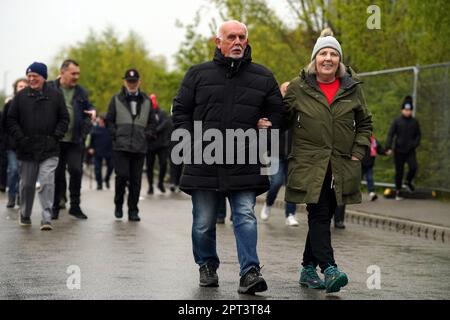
(101, 142)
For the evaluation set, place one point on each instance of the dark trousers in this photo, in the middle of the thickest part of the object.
(175, 173)
(162, 154)
(3, 167)
(400, 160)
(70, 158)
(98, 161)
(318, 250)
(128, 167)
(339, 214)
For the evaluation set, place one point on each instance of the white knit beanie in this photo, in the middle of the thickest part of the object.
(326, 40)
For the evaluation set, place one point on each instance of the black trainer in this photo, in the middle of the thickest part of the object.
(150, 190)
(62, 203)
(208, 276)
(11, 202)
(133, 216)
(252, 282)
(161, 187)
(25, 222)
(107, 184)
(339, 225)
(410, 187)
(55, 214)
(76, 212)
(118, 213)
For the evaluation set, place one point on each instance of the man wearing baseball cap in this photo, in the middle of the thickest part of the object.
(37, 120)
(130, 122)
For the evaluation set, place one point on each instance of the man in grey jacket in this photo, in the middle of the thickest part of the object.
(130, 122)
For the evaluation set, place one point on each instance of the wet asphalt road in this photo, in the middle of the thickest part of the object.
(153, 259)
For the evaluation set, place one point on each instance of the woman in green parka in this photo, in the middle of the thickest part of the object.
(331, 129)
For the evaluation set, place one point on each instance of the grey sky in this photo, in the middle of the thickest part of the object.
(33, 30)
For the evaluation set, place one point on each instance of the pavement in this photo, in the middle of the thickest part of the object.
(153, 259)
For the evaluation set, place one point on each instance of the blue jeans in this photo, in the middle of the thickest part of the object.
(13, 173)
(276, 181)
(368, 172)
(98, 168)
(222, 208)
(204, 213)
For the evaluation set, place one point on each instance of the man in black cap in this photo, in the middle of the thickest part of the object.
(37, 120)
(406, 132)
(130, 122)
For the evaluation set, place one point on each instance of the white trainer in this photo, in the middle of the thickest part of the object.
(265, 212)
(291, 220)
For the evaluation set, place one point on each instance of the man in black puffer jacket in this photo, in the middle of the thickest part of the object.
(37, 120)
(229, 92)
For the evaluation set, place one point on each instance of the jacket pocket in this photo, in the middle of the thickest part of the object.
(351, 171)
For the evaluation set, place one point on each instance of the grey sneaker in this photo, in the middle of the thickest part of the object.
(252, 282)
(208, 276)
(46, 226)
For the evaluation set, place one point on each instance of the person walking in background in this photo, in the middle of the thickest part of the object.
(100, 149)
(10, 146)
(368, 163)
(230, 92)
(175, 169)
(130, 122)
(37, 120)
(81, 113)
(3, 157)
(278, 179)
(158, 147)
(331, 128)
(404, 134)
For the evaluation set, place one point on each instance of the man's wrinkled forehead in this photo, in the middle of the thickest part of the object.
(233, 28)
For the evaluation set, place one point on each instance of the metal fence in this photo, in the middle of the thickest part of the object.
(429, 85)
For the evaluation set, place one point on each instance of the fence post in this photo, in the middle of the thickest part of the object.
(416, 70)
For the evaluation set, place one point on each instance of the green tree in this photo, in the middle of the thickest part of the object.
(2, 100)
(103, 59)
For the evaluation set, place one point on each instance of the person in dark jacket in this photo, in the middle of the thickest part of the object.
(368, 163)
(230, 92)
(3, 158)
(101, 149)
(81, 112)
(37, 120)
(158, 147)
(279, 178)
(130, 122)
(405, 131)
(10, 146)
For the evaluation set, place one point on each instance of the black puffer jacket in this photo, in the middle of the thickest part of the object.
(8, 140)
(226, 94)
(37, 122)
